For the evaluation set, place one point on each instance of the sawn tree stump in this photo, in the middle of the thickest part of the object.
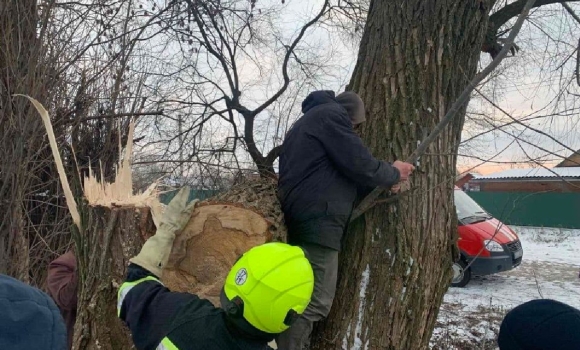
(219, 231)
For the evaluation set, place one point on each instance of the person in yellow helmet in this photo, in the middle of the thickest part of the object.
(268, 288)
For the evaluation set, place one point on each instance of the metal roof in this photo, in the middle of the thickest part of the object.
(568, 172)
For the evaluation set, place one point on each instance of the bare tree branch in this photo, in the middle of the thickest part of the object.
(501, 17)
(524, 125)
(571, 12)
(110, 116)
(289, 52)
(578, 63)
(210, 46)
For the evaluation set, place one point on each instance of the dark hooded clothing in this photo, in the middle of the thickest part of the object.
(354, 106)
(63, 286)
(29, 319)
(541, 324)
(322, 162)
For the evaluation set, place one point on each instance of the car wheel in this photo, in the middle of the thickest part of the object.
(461, 274)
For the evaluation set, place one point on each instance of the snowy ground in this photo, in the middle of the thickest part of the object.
(470, 316)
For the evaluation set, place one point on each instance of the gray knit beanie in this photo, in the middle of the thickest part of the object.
(354, 106)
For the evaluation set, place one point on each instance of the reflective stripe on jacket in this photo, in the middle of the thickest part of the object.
(126, 288)
(166, 344)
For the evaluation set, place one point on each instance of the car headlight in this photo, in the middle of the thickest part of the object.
(492, 246)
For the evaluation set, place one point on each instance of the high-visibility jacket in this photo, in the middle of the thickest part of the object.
(164, 320)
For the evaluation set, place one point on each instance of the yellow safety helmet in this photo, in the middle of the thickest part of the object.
(269, 286)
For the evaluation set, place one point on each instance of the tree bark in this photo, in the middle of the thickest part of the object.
(415, 58)
(112, 236)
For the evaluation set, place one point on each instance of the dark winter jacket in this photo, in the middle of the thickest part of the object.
(29, 319)
(62, 286)
(322, 162)
(155, 316)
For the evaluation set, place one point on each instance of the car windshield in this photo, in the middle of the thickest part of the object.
(468, 211)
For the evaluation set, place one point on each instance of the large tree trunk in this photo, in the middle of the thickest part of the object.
(112, 236)
(259, 195)
(415, 58)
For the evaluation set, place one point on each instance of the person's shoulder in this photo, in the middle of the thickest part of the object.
(27, 309)
(13, 290)
(67, 260)
(325, 113)
(206, 325)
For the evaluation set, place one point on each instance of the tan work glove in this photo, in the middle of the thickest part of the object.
(156, 250)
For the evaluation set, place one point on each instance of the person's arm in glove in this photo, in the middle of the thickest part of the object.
(145, 305)
(155, 252)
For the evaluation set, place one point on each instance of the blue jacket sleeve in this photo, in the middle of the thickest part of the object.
(147, 307)
(347, 151)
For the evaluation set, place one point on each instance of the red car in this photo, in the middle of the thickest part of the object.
(487, 245)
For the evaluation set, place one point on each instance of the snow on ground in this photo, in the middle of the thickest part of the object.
(470, 317)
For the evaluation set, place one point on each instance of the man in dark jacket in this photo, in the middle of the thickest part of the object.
(266, 290)
(28, 318)
(63, 286)
(322, 163)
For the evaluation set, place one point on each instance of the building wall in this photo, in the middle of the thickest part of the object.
(529, 186)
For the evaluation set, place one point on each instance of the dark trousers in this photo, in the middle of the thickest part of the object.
(324, 262)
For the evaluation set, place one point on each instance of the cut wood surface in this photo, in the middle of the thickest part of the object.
(219, 231)
(259, 195)
(214, 238)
